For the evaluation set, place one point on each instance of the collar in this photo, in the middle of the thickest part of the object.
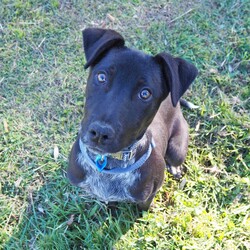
(124, 155)
(101, 161)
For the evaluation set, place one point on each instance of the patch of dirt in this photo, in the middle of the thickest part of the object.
(168, 12)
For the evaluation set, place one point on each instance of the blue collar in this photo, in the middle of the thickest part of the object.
(101, 161)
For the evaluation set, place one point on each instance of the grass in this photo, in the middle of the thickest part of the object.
(41, 104)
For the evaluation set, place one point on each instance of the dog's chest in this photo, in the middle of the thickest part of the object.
(108, 187)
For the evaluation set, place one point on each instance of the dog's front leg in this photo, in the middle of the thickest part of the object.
(145, 205)
(177, 148)
(75, 171)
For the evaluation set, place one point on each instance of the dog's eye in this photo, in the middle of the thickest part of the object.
(145, 94)
(101, 77)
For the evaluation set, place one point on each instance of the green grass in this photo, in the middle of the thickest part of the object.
(41, 104)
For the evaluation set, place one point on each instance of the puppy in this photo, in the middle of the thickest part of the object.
(133, 126)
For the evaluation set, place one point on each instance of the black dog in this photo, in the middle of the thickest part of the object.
(133, 125)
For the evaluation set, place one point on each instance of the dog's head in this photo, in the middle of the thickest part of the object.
(125, 89)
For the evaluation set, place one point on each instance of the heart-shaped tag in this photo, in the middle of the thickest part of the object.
(101, 162)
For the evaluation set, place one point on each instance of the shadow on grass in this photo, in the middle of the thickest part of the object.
(59, 217)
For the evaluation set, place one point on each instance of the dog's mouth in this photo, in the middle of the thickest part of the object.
(96, 150)
(106, 149)
(101, 149)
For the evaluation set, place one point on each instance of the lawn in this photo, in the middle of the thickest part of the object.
(42, 82)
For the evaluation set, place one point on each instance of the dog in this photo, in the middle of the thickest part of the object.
(133, 126)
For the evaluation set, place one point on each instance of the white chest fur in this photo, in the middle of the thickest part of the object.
(107, 187)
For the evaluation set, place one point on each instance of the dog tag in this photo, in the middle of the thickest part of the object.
(101, 162)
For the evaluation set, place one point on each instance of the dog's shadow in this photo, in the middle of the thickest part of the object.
(58, 216)
(100, 226)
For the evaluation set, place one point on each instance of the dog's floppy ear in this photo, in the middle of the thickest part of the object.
(97, 41)
(178, 73)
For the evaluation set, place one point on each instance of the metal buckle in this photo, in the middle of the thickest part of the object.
(127, 155)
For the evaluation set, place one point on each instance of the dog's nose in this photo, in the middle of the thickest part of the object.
(101, 133)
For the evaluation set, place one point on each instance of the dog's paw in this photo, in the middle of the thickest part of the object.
(177, 172)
